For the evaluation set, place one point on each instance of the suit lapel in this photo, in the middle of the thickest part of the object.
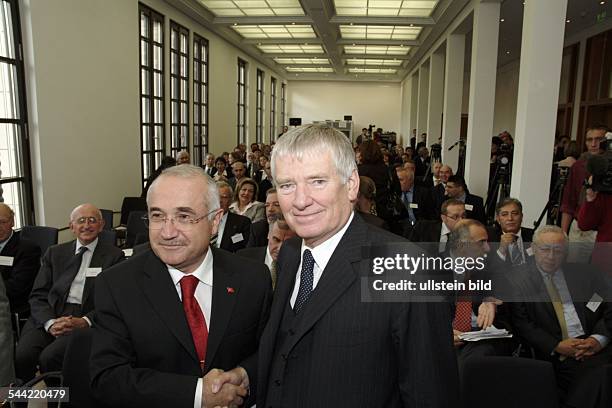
(97, 261)
(225, 290)
(159, 289)
(337, 277)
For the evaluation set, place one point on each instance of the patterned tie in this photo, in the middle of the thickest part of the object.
(515, 253)
(557, 304)
(463, 316)
(273, 273)
(195, 317)
(306, 281)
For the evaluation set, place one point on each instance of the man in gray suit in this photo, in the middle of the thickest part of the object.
(62, 297)
(323, 346)
(7, 371)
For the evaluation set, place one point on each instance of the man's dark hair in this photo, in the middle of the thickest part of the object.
(221, 159)
(457, 180)
(507, 201)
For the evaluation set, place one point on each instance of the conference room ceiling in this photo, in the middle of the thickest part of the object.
(362, 40)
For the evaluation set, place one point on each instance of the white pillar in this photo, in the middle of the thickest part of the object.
(414, 104)
(538, 96)
(422, 105)
(453, 98)
(482, 96)
(578, 93)
(436, 98)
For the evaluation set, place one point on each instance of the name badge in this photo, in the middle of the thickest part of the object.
(414, 205)
(594, 303)
(469, 207)
(529, 251)
(92, 272)
(237, 238)
(6, 260)
(128, 252)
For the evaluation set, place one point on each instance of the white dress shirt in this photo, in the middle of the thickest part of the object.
(203, 295)
(444, 231)
(268, 261)
(321, 254)
(221, 230)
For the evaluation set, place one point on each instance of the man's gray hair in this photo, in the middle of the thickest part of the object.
(507, 201)
(224, 184)
(461, 235)
(315, 139)
(545, 229)
(189, 171)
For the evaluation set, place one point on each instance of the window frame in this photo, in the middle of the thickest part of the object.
(179, 81)
(200, 108)
(242, 93)
(259, 107)
(283, 104)
(272, 108)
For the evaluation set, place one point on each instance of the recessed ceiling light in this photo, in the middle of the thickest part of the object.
(350, 23)
(235, 24)
(353, 44)
(508, 52)
(293, 23)
(568, 21)
(401, 45)
(602, 2)
(411, 25)
(502, 20)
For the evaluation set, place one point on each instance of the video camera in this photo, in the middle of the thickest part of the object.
(436, 152)
(600, 167)
(504, 157)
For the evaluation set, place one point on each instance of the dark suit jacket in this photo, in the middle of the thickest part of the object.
(263, 186)
(56, 274)
(143, 353)
(535, 319)
(19, 278)
(422, 197)
(495, 233)
(348, 353)
(7, 344)
(257, 254)
(373, 220)
(258, 236)
(477, 212)
(235, 224)
(426, 231)
(438, 195)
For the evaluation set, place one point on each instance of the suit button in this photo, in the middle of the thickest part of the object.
(277, 383)
(291, 332)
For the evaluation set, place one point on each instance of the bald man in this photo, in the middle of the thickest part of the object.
(19, 262)
(62, 298)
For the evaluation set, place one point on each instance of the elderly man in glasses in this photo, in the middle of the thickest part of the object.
(178, 325)
(62, 297)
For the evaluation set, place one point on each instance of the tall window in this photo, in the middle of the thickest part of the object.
(283, 103)
(15, 179)
(200, 99)
(272, 108)
(242, 98)
(259, 107)
(152, 136)
(179, 88)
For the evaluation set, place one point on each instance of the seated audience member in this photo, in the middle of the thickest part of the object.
(166, 162)
(438, 192)
(260, 173)
(209, 166)
(265, 182)
(475, 311)
(474, 208)
(259, 230)
(245, 201)
(409, 165)
(410, 152)
(365, 205)
(7, 367)
(20, 262)
(172, 322)
(435, 169)
(278, 233)
(221, 174)
(559, 320)
(183, 157)
(239, 172)
(513, 239)
(452, 212)
(233, 231)
(62, 297)
(416, 199)
(422, 161)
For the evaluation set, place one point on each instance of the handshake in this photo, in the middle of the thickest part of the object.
(225, 388)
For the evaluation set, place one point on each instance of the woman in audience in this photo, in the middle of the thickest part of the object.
(244, 201)
(366, 202)
(221, 165)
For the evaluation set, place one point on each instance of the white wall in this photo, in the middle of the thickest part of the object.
(368, 102)
(82, 80)
(506, 94)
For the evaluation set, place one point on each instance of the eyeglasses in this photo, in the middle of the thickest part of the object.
(456, 217)
(88, 220)
(157, 220)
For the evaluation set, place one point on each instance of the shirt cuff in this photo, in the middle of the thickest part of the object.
(87, 320)
(48, 324)
(603, 340)
(197, 401)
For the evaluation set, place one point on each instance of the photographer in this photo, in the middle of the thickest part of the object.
(595, 211)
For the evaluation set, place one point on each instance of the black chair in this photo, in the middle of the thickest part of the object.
(108, 237)
(107, 216)
(135, 227)
(44, 237)
(131, 204)
(508, 382)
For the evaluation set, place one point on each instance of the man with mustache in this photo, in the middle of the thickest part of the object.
(62, 297)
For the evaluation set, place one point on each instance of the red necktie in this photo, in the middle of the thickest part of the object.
(195, 317)
(463, 316)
